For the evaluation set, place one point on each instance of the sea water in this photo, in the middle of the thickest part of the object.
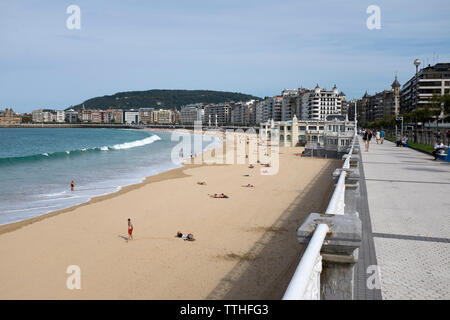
(38, 164)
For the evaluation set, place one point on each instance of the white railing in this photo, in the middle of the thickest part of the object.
(305, 284)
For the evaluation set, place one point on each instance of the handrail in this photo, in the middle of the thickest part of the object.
(336, 204)
(298, 286)
(305, 283)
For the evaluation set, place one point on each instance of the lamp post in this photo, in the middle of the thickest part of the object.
(417, 64)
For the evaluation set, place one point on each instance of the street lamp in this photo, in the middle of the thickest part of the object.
(416, 94)
(417, 64)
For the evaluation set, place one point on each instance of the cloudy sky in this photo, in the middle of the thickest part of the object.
(257, 47)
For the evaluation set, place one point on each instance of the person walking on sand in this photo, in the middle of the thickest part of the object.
(72, 186)
(130, 230)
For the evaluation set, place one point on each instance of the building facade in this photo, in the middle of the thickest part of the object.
(322, 103)
(131, 116)
(219, 113)
(9, 117)
(418, 91)
(162, 116)
(333, 134)
(145, 115)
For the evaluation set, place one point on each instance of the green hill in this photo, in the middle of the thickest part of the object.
(163, 99)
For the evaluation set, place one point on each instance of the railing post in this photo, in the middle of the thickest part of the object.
(339, 252)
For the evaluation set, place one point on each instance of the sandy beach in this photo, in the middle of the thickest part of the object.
(245, 247)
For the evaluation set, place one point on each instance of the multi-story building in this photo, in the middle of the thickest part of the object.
(145, 115)
(9, 117)
(380, 106)
(418, 91)
(334, 133)
(131, 116)
(37, 116)
(96, 116)
(60, 116)
(191, 113)
(322, 103)
(239, 113)
(71, 116)
(162, 116)
(219, 113)
(262, 110)
(290, 104)
(48, 115)
(117, 116)
(175, 116)
(277, 104)
(86, 115)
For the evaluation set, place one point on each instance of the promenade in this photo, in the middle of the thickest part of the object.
(406, 223)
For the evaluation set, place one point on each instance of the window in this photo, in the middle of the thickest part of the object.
(312, 127)
(302, 128)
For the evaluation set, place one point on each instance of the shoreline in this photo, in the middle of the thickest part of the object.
(165, 175)
(173, 173)
(245, 246)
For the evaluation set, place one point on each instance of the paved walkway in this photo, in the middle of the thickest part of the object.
(409, 207)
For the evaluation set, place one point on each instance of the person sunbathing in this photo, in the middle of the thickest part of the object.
(202, 183)
(185, 237)
(219, 196)
(251, 166)
(249, 186)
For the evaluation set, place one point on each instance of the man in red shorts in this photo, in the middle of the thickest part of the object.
(130, 230)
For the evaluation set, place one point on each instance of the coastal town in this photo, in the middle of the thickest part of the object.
(421, 91)
(263, 153)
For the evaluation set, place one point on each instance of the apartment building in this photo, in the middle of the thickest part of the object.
(145, 115)
(191, 113)
(262, 110)
(162, 116)
(48, 116)
(322, 103)
(131, 116)
(380, 106)
(277, 104)
(219, 113)
(71, 116)
(418, 91)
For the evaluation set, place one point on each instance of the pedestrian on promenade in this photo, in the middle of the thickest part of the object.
(366, 137)
(382, 135)
(378, 136)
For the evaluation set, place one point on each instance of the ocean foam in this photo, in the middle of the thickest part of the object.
(137, 143)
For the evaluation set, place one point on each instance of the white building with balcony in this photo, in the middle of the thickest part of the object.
(333, 134)
(322, 103)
